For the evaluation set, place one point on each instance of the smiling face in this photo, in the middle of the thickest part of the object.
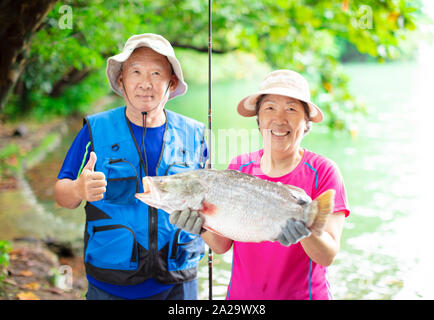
(282, 121)
(145, 77)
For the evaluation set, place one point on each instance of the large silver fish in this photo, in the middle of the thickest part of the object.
(237, 205)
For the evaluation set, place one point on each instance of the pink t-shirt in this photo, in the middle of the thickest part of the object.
(269, 270)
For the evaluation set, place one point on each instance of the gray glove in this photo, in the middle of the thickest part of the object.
(293, 232)
(188, 220)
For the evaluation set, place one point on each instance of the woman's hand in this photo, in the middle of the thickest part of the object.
(293, 232)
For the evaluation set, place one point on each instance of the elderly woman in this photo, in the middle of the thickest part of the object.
(295, 266)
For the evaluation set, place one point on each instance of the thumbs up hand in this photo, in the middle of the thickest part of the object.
(90, 186)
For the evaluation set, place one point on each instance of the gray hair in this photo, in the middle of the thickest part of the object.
(305, 108)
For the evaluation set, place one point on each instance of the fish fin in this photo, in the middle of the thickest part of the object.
(324, 206)
(207, 208)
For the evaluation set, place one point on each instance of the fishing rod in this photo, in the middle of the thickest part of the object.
(209, 131)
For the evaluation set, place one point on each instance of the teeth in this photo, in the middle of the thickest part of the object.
(280, 134)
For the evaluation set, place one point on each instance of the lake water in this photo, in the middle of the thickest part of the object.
(385, 252)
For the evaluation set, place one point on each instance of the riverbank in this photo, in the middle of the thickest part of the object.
(23, 144)
(38, 272)
(42, 266)
(38, 269)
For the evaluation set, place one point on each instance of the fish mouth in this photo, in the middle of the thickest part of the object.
(150, 193)
(153, 196)
(146, 185)
(150, 189)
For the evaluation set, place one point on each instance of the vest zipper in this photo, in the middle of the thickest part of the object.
(172, 254)
(153, 238)
(153, 216)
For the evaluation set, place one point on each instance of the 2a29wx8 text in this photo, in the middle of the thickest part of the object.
(218, 309)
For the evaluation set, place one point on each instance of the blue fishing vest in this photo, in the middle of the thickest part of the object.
(127, 241)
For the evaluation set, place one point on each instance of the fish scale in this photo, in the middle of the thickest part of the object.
(237, 205)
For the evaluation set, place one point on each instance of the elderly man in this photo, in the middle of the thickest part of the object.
(131, 251)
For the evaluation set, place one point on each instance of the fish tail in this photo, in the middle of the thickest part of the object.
(324, 205)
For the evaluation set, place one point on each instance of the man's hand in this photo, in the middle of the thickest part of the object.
(293, 232)
(90, 186)
(189, 220)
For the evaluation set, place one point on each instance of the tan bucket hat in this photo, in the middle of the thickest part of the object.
(282, 82)
(155, 42)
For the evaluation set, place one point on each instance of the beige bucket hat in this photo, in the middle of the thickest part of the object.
(282, 82)
(155, 42)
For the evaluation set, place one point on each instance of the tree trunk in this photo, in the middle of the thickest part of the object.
(72, 77)
(20, 19)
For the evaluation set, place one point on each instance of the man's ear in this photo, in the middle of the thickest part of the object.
(173, 82)
(119, 81)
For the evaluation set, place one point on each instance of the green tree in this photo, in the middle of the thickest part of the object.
(303, 35)
(20, 19)
(5, 249)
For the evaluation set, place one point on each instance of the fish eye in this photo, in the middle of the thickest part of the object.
(301, 201)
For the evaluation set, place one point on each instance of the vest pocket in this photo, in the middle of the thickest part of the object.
(112, 247)
(122, 182)
(185, 251)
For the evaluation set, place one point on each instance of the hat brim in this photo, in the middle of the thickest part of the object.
(247, 106)
(114, 65)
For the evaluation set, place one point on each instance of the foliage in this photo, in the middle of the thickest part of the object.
(9, 160)
(5, 249)
(229, 66)
(303, 35)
